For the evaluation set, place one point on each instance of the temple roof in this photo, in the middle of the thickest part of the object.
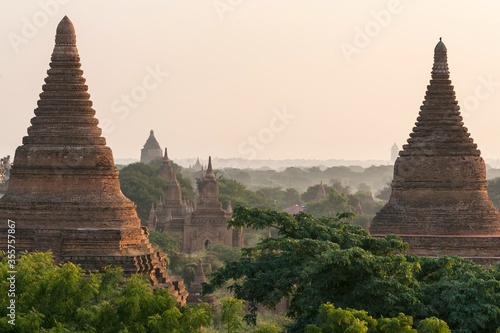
(151, 142)
(210, 172)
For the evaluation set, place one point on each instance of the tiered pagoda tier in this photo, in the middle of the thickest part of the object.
(151, 150)
(439, 202)
(64, 193)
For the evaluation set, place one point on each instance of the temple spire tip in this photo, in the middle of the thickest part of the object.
(65, 27)
(209, 167)
(440, 47)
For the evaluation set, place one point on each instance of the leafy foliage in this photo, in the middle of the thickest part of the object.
(319, 260)
(240, 195)
(312, 256)
(141, 184)
(64, 298)
(231, 314)
(281, 198)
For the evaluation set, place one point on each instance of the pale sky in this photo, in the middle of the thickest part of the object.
(264, 79)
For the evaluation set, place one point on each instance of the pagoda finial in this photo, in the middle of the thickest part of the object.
(209, 167)
(440, 67)
(65, 27)
(166, 155)
(65, 48)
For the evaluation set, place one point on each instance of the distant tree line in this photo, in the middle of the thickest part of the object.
(141, 184)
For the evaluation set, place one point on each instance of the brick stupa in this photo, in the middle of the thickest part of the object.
(439, 202)
(64, 192)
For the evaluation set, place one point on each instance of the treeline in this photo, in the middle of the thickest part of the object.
(141, 184)
(376, 177)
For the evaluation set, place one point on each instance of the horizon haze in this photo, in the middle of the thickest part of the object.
(257, 80)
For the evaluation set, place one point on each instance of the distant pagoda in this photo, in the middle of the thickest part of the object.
(64, 193)
(151, 150)
(439, 202)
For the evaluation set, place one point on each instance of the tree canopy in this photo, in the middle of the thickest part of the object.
(65, 298)
(142, 184)
(319, 260)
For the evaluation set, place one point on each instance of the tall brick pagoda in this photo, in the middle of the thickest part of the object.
(151, 150)
(64, 193)
(439, 202)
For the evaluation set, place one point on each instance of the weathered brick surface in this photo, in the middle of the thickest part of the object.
(439, 198)
(64, 193)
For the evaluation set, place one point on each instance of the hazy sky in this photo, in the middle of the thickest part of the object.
(266, 79)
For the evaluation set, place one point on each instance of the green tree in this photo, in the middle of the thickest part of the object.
(240, 195)
(433, 325)
(318, 260)
(64, 298)
(384, 194)
(463, 294)
(165, 241)
(334, 203)
(281, 198)
(494, 191)
(142, 184)
(231, 315)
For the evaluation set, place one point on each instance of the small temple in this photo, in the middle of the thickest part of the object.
(151, 150)
(64, 193)
(197, 225)
(439, 202)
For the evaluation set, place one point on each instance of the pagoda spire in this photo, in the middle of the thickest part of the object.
(167, 172)
(439, 128)
(64, 114)
(209, 167)
(210, 188)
